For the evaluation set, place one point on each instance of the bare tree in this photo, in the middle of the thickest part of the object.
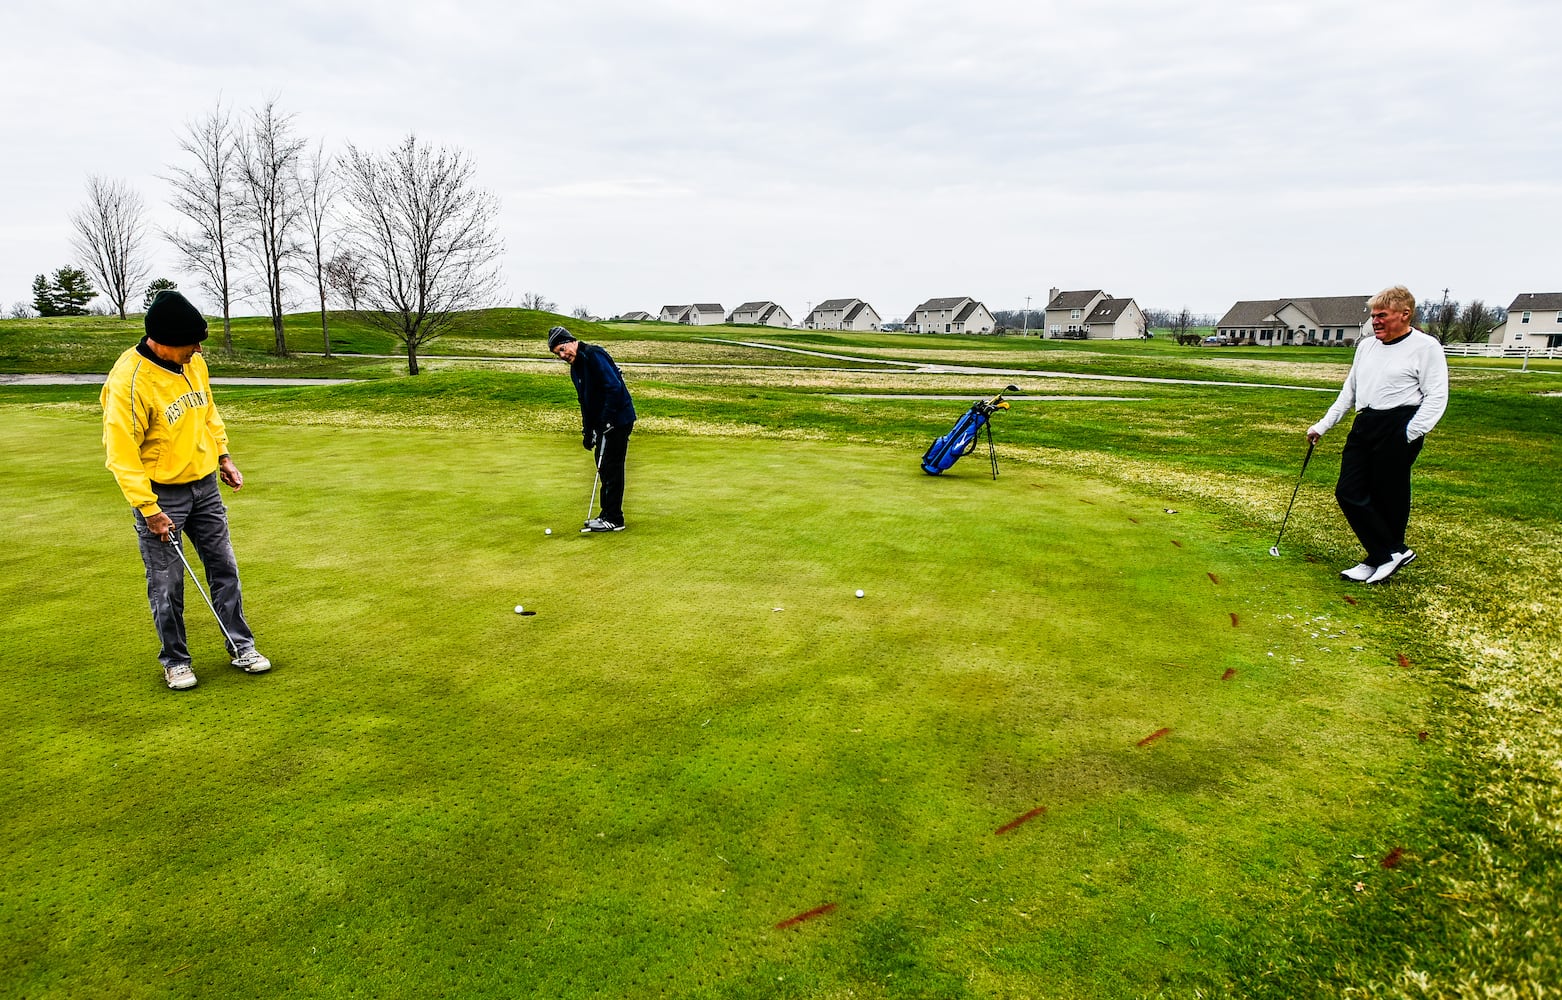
(316, 190)
(426, 235)
(268, 156)
(1476, 321)
(1440, 318)
(580, 312)
(346, 275)
(108, 238)
(205, 195)
(21, 310)
(539, 302)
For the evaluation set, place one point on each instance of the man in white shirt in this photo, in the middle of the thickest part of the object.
(1398, 385)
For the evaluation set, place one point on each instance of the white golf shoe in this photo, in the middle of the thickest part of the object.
(179, 676)
(1358, 573)
(252, 662)
(1395, 562)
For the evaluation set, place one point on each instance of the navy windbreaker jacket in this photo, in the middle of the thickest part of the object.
(604, 399)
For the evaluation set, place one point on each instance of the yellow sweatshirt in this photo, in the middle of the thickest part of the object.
(160, 424)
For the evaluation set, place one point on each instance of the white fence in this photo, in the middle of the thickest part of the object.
(1499, 351)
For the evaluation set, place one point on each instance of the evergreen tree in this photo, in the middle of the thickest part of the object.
(158, 285)
(72, 291)
(43, 296)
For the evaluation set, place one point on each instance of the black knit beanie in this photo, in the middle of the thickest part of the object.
(173, 322)
(558, 335)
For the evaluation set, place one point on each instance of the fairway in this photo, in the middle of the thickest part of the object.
(955, 781)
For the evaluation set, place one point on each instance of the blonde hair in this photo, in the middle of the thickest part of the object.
(1397, 299)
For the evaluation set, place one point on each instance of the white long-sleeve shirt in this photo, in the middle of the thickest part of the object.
(1409, 372)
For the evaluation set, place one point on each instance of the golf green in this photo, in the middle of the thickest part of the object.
(1074, 740)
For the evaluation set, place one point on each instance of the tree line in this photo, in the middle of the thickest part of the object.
(1455, 323)
(404, 236)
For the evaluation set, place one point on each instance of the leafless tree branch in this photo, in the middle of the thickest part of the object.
(109, 232)
(426, 235)
(268, 156)
(205, 195)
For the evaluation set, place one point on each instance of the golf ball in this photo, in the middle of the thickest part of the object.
(519, 609)
(859, 593)
(547, 531)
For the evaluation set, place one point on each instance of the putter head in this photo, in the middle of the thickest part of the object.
(1274, 550)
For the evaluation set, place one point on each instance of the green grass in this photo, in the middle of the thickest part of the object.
(624, 794)
(661, 766)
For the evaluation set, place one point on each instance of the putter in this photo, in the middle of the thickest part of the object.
(1274, 549)
(173, 539)
(601, 449)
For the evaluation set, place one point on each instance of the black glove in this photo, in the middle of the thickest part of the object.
(588, 439)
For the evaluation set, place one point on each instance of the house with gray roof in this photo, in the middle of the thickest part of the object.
(636, 316)
(1092, 314)
(1331, 320)
(760, 314)
(698, 314)
(961, 314)
(1534, 321)
(842, 314)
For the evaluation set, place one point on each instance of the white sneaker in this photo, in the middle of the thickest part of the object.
(179, 676)
(600, 524)
(252, 662)
(1358, 573)
(1395, 562)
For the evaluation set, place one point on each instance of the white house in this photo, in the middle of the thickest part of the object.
(636, 316)
(955, 315)
(1094, 315)
(760, 314)
(842, 314)
(1534, 320)
(1326, 320)
(698, 314)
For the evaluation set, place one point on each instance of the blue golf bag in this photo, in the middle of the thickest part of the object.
(961, 439)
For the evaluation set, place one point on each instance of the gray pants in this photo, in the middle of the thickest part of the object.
(198, 513)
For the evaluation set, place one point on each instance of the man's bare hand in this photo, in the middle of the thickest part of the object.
(161, 525)
(229, 473)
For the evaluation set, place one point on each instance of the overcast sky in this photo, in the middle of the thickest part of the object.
(647, 152)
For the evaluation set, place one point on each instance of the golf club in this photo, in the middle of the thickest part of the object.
(1274, 549)
(173, 539)
(601, 449)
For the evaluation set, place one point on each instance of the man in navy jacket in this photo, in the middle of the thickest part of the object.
(607, 416)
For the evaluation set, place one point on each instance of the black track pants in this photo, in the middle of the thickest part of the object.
(1374, 486)
(615, 449)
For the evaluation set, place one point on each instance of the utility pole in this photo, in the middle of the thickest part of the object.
(1025, 322)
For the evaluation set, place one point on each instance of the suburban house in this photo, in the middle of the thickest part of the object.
(1332, 320)
(1092, 314)
(760, 314)
(698, 314)
(1534, 320)
(842, 314)
(957, 315)
(635, 317)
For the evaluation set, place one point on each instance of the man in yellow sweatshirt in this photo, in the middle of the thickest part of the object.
(167, 448)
